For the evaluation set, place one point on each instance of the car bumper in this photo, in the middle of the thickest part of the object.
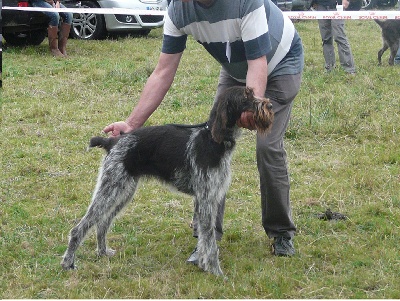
(129, 22)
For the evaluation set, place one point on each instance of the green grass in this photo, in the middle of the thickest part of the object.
(343, 149)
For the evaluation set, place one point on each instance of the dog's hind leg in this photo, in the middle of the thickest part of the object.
(380, 53)
(112, 185)
(104, 224)
(76, 236)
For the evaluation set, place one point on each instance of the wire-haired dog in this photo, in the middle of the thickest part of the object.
(390, 38)
(193, 159)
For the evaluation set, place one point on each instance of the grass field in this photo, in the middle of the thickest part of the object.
(343, 149)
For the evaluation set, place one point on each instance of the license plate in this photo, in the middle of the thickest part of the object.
(154, 8)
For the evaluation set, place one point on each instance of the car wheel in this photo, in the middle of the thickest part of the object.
(368, 4)
(88, 26)
(35, 37)
(355, 5)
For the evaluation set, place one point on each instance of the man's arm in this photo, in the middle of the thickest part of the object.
(257, 75)
(152, 95)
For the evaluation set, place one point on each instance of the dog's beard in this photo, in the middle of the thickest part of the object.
(263, 115)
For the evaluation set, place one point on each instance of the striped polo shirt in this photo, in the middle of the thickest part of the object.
(234, 31)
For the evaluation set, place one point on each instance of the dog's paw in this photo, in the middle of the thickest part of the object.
(68, 266)
(108, 252)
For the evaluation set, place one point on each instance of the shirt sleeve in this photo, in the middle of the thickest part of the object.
(254, 28)
(174, 41)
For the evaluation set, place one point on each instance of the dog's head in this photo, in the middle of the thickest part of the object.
(229, 107)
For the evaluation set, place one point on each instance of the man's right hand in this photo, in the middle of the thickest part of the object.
(116, 128)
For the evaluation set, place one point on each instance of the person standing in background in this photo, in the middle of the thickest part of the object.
(397, 57)
(333, 30)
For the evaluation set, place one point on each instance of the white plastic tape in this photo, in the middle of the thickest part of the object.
(344, 15)
(304, 15)
(82, 10)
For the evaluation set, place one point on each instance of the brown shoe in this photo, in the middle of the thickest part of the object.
(52, 34)
(63, 38)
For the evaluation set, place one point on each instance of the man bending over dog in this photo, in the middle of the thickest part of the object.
(256, 46)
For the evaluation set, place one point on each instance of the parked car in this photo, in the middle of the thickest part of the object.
(284, 5)
(94, 26)
(22, 27)
(368, 4)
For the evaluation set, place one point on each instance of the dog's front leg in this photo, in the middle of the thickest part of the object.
(207, 243)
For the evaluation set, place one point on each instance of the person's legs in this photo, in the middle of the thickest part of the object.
(64, 31)
(272, 166)
(52, 30)
(328, 50)
(397, 57)
(271, 159)
(53, 16)
(344, 49)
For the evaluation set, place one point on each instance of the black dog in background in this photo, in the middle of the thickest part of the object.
(390, 38)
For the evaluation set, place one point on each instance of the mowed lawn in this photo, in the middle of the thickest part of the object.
(343, 146)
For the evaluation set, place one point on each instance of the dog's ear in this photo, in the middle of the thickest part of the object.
(218, 126)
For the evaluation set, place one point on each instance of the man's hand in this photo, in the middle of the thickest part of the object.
(246, 121)
(116, 128)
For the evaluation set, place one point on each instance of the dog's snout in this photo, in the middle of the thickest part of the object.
(269, 106)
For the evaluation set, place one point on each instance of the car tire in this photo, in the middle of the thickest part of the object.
(368, 4)
(35, 37)
(88, 26)
(355, 5)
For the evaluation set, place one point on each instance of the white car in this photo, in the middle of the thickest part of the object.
(91, 26)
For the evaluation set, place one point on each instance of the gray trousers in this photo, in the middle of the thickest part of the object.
(333, 30)
(271, 158)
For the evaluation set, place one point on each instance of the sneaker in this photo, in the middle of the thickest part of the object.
(283, 246)
(194, 257)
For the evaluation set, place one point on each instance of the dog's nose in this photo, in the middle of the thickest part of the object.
(269, 106)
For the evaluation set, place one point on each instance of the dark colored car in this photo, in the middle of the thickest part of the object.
(284, 5)
(22, 27)
(368, 4)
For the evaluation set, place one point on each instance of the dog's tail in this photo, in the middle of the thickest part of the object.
(106, 143)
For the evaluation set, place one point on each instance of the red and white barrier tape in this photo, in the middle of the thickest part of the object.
(304, 15)
(343, 15)
(82, 10)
